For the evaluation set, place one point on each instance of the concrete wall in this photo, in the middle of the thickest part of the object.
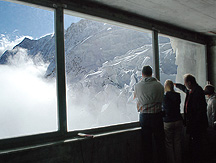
(118, 147)
(109, 148)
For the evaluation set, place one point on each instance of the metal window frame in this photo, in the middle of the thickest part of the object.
(155, 47)
(107, 13)
(60, 69)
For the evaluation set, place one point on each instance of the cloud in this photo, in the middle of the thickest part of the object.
(29, 104)
(28, 100)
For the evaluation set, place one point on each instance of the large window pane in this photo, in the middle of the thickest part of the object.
(103, 62)
(167, 55)
(27, 49)
(179, 57)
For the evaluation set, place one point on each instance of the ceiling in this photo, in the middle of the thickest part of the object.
(195, 15)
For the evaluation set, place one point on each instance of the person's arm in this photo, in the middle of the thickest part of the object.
(134, 93)
(134, 97)
(181, 87)
(164, 106)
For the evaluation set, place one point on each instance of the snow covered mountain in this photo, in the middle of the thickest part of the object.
(44, 46)
(89, 45)
(103, 62)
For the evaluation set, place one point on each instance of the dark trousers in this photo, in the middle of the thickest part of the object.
(153, 131)
(196, 148)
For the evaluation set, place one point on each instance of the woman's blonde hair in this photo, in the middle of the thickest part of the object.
(168, 86)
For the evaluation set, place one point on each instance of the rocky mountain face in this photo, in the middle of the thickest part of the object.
(92, 48)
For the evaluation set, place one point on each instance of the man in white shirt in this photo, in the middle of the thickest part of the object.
(149, 93)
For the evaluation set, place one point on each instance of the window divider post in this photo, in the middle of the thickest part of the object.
(60, 69)
(155, 47)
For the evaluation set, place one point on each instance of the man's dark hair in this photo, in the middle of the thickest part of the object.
(190, 78)
(147, 71)
(209, 89)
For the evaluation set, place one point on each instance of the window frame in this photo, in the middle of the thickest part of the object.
(105, 13)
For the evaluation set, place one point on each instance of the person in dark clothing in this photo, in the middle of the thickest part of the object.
(195, 116)
(211, 105)
(209, 91)
(173, 123)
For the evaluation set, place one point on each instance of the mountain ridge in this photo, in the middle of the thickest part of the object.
(89, 44)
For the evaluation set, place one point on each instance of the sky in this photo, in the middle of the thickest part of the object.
(18, 21)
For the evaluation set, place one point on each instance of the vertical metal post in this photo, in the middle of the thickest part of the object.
(60, 69)
(156, 66)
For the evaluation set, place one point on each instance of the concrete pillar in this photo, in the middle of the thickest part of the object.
(211, 61)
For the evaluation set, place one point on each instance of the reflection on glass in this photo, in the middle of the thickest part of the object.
(28, 94)
(103, 62)
(181, 57)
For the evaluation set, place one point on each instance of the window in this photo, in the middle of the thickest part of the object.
(179, 57)
(27, 49)
(103, 62)
(167, 55)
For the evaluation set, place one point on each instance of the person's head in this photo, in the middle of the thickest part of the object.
(189, 81)
(209, 90)
(168, 86)
(147, 71)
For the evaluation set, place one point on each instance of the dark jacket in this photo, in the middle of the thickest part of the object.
(196, 117)
(171, 107)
